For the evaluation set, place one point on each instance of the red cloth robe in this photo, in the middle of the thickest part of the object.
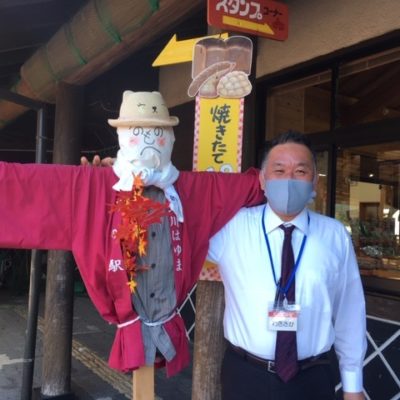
(68, 208)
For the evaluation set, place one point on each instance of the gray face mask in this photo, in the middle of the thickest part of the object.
(288, 196)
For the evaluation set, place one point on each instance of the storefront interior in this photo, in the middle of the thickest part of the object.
(351, 112)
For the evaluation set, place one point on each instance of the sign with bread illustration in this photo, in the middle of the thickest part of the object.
(221, 68)
(220, 81)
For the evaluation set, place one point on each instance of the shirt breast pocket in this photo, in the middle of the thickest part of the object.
(322, 272)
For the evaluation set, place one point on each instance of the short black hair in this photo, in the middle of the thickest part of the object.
(290, 136)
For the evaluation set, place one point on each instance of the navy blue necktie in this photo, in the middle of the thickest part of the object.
(286, 365)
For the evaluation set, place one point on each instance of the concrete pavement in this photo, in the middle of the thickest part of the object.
(91, 377)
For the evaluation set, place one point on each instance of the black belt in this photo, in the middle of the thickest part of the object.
(269, 365)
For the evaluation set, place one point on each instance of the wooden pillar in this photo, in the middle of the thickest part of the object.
(209, 342)
(208, 334)
(253, 132)
(57, 341)
(143, 383)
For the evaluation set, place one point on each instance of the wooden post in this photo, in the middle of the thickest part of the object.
(209, 344)
(57, 340)
(208, 337)
(56, 368)
(143, 383)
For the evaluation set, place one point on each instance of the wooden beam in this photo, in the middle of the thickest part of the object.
(20, 100)
(171, 12)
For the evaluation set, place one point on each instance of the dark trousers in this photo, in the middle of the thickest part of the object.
(242, 380)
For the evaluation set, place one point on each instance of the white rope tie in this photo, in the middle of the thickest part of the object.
(156, 323)
(161, 322)
(132, 321)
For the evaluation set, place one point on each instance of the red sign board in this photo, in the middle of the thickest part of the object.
(257, 17)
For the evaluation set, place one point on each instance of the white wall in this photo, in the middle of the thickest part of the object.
(316, 28)
(363, 192)
(319, 27)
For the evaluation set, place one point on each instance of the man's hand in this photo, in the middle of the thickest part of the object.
(353, 396)
(97, 162)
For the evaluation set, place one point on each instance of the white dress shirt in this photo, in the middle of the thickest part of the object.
(328, 287)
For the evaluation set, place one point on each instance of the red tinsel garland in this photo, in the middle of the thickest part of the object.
(137, 214)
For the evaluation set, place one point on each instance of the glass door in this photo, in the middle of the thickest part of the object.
(367, 202)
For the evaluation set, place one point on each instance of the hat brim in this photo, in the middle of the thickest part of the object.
(171, 121)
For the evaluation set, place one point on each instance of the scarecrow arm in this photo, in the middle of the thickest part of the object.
(35, 206)
(218, 195)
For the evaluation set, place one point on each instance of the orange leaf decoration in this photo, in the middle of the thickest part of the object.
(137, 214)
(132, 285)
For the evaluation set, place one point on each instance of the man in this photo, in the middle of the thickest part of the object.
(319, 303)
(69, 208)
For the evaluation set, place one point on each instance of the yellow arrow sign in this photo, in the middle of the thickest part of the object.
(176, 52)
(241, 23)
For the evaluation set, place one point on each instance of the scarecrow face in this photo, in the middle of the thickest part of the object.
(147, 146)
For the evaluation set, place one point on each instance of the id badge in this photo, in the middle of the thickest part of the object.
(284, 317)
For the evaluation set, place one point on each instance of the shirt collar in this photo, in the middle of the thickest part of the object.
(272, 221)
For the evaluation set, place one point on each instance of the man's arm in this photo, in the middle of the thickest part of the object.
(350, 324)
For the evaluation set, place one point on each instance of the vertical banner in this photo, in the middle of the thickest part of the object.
(220, 71)
(218, 135)
(217, 146)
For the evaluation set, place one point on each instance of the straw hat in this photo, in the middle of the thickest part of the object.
(143, 109)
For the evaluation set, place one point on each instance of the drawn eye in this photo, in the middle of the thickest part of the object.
(141, 105)
(158, 131)
(154, 109)
(137, 130)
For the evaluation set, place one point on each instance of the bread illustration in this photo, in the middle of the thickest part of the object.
(207, 80)
(234, 84)
(208, 51)
(221, 67)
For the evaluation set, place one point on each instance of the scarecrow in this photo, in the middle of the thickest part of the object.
(139, 231)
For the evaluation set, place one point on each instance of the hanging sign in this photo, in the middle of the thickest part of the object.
(220, 81)
(220, 71)
(257, 17)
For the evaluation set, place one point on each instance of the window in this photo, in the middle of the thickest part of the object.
(303, 105)
(356, 130)
(369, 89)
(320, 203)
(367, 202)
